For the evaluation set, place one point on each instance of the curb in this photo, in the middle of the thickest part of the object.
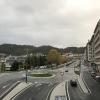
(49, 94)
(21, 92)
(9, 90)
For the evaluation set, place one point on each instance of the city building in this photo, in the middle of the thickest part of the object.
(88, 51)
(97, 45)
(10, 59)
(92, 51)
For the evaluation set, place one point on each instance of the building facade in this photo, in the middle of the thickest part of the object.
(89, 52)
(92, 51)
(11, 59)
(97, 45)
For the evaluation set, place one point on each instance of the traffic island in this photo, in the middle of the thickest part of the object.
(41, 75)
(59, 92)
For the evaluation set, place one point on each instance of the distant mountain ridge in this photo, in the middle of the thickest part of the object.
(14, 49)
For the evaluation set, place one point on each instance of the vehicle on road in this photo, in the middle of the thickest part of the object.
(73, 83)
(97, 78)
(93, 74)
(66, 70)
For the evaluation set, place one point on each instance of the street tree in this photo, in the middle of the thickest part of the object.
(53, 57)
(15, 66)
(62, 59)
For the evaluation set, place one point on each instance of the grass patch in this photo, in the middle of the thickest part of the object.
(42, 75)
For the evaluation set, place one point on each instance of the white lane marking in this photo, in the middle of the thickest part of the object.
(50, 92)
(87, 86)
(68, 91)
(9, 89)
(38, 85)
(5, 86)
(80, 88)
(36, 82)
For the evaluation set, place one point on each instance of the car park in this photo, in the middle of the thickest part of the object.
(73, 83)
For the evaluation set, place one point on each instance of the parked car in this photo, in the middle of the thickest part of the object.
(93, 74)
(66, 70)
(73, 83)
(97, 78)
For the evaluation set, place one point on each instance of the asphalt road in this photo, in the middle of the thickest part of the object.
(93, 85)
(6, 85)
(76, 94)
(41, 86)
(39, 91)
(36, 92)
(11, 76)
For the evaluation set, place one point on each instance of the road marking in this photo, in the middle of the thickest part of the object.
(47, 98)
(38, 85)
(36, 82)
(9, 89)
(50, 84)
(68, 91)
(87, 86)
(5, 86)
(80, 87)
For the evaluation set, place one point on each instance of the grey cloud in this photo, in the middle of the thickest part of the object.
(46, 22)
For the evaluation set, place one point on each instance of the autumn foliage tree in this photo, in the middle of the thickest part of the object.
(53, 57)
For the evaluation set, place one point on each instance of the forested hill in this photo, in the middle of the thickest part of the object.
(14, 49)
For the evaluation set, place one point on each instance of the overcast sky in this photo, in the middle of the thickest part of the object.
(59, 23)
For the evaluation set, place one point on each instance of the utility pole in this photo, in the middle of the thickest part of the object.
(26, 66)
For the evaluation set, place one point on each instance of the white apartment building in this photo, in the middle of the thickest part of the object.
(97, 44)
(92, 51)
(89, 52)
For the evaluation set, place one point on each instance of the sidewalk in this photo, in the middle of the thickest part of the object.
(59, 93)
(18, 89)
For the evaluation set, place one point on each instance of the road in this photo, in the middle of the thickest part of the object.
(75, 93)
(92, 84)
(42, 86)
(36, 92)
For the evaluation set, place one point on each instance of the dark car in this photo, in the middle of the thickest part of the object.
(73, 83)
(66, 70)
(93, 74)
(97, 78)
